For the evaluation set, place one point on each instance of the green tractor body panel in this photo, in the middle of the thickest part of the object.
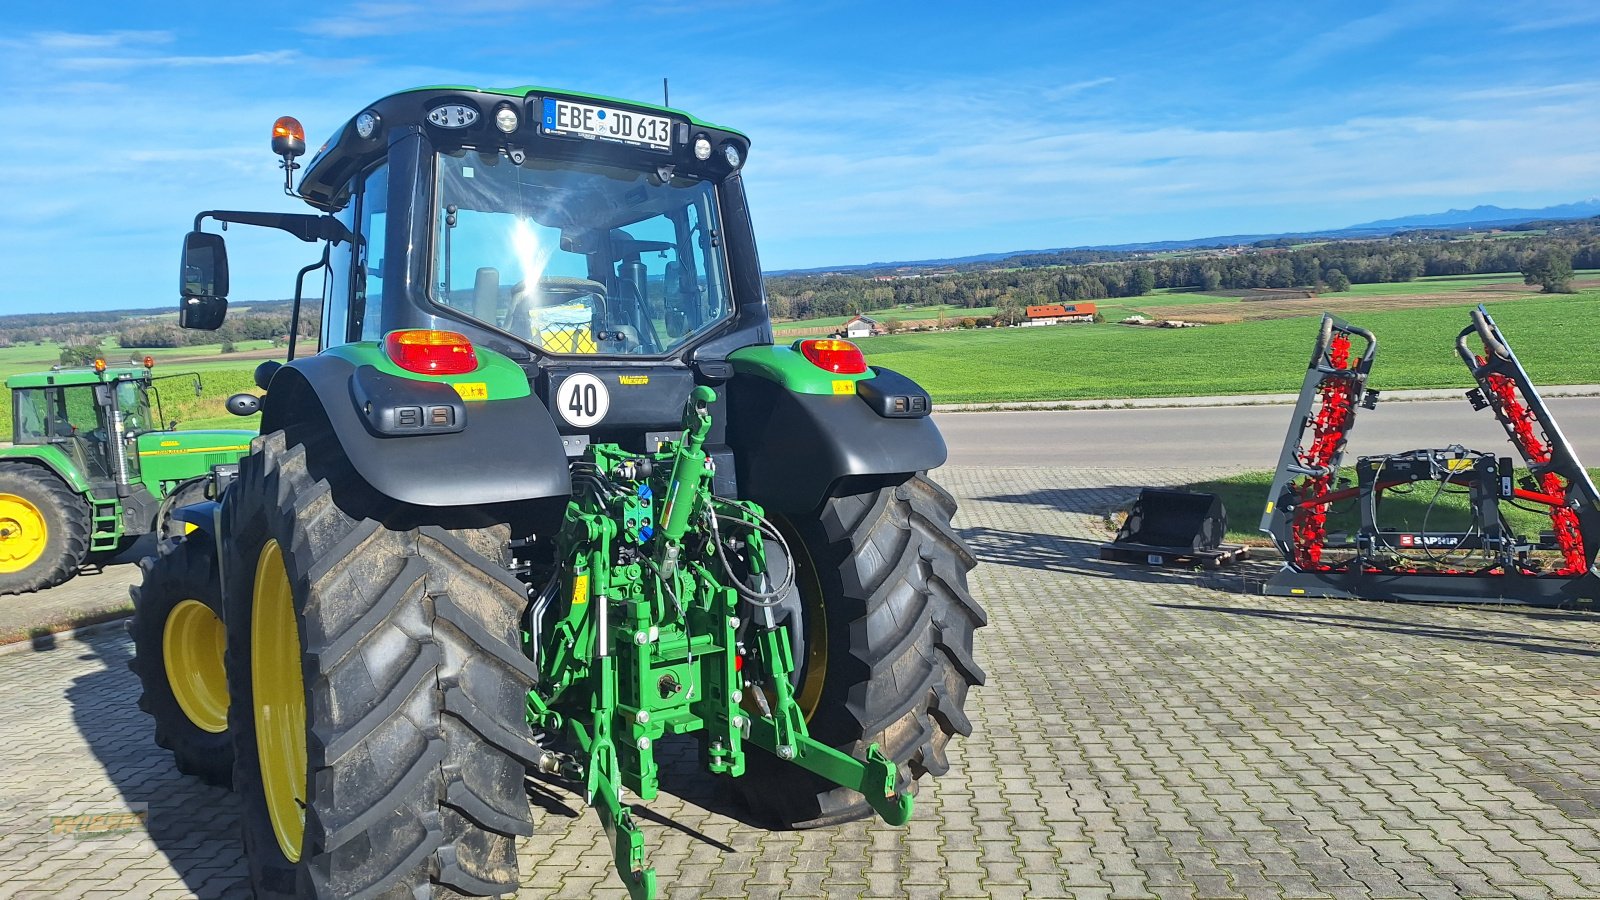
(788, 367)
(52, 458)
(169, 457)
(73, 377)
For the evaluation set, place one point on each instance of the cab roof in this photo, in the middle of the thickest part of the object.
(346, 153)
(72, 377)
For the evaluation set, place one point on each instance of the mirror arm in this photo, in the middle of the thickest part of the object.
(304, 226)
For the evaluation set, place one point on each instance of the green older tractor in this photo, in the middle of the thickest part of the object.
(90, 467)
(548, 496)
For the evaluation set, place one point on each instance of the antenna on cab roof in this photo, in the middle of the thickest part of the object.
(665, 100)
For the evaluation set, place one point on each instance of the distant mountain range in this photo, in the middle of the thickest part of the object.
(1476, 217)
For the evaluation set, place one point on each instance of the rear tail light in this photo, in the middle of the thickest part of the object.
(839, 357)
(431, 352)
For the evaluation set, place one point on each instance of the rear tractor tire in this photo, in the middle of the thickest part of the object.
(44, 529)
(178, 646)
(379, 691)
(886, 645)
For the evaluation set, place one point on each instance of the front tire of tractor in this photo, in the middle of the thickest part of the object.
(379, 690)
(44, 530)
(891, 660)
(178, 646)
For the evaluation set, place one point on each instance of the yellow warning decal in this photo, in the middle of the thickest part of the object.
(1269, 506)
(634, 379)
(844, 387)
(1297, 590)
(472, 390)
(1459, 465)
(580, 590)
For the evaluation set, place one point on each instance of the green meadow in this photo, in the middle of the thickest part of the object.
(1086, 362)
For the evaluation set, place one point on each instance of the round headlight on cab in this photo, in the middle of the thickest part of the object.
(702, 147)
(506, 120)
(367, 125)
(730, 152)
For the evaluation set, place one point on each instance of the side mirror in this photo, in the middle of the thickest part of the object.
(203, 281)
(244, 404)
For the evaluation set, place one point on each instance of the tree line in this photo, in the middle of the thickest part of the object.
(1546, 259)
(267, 320)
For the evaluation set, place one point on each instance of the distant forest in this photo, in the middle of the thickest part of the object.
(267, 320)
(1546, 258)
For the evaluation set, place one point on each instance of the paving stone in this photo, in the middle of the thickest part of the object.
(1144, 733)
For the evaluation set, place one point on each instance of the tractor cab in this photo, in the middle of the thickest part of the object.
(570, 233)
(93, 416)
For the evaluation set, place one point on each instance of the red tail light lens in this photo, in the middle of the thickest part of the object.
(839, 357)
(431, 352)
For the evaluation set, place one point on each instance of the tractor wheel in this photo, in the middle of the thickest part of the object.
(379, 690)
(885, 652)
(178, 646)
(44, 530)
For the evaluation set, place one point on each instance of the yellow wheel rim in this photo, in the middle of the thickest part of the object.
(280, 700)
(814, 668)
(23, 533)
(192, 642)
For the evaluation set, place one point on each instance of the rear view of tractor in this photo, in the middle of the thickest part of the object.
(548, 496)
(92, 467)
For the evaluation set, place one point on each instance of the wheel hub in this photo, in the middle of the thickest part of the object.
(192, 646)
(280, 700)
(23, 534)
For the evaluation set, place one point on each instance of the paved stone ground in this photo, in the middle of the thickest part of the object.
(1143, 733)
(95, 593)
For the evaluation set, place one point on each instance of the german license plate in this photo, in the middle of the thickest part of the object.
(639, 129)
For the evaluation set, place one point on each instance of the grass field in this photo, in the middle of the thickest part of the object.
(1081, 362)
(1245, 496)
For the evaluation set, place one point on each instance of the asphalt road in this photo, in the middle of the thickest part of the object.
(1242, 437)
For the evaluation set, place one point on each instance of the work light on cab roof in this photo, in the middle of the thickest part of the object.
(289, 143)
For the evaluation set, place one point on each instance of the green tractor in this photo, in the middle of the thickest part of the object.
(90, 468)
(548, 496)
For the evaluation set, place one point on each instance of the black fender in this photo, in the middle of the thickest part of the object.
(504, 451)
(202, 515)
(790, 448)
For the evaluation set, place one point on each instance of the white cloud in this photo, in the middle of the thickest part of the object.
(265, 58)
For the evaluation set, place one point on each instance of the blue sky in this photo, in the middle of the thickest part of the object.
(881, 131)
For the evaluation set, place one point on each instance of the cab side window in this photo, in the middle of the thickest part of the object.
(355, 273)
(336, 287)
(366, 319)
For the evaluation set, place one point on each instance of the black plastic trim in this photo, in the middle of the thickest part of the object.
(510, 453)
(894, 396)
(401, 407)
(791, 448)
